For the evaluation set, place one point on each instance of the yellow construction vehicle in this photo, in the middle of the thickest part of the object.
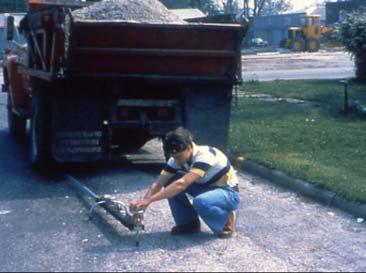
(306, 37)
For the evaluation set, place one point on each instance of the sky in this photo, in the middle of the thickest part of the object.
(300, 4)
(297, 4)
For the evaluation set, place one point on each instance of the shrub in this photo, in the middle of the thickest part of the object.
(352, 34)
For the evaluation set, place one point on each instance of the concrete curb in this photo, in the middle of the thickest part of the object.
(305, 188)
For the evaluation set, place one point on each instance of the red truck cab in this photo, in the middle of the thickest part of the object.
(16, 84)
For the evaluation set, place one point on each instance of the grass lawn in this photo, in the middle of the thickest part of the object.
(329, 92)
(312, 141)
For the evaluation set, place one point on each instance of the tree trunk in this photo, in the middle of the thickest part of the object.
(258, 6)
(360, 61)
(255, 8)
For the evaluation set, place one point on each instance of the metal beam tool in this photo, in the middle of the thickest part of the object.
(121, 212)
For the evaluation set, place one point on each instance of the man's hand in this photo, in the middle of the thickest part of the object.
(170, 191)
(140, 204)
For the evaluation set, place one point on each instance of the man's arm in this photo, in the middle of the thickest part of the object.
(157, 185)
(173, 189)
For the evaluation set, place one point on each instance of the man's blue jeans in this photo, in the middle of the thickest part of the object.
(212, 204)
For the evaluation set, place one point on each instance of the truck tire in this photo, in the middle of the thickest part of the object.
(298, 44)
(312, 45)
(17, 125)
(40, 134)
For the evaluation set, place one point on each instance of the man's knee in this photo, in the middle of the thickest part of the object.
(200, 203)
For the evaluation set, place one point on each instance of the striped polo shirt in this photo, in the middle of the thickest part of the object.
(209, 163)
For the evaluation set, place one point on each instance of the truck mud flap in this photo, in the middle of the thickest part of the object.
(207, 114)
(78, 146)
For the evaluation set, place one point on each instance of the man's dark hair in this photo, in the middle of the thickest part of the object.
(177, 141)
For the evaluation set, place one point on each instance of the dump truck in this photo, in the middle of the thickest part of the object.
(305, 37)
(94, 88)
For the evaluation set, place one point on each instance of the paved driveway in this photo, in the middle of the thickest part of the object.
(44, 226)
(291, 66)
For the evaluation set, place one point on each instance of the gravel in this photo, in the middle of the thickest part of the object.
(141, 11)
(47, 227)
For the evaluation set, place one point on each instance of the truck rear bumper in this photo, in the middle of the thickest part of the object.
(154, 128)
(86, 131)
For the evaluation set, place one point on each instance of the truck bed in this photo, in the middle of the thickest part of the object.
(187, 52)
(97, 87)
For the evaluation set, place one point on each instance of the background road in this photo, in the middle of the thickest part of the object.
(44, 226)
(292, 66)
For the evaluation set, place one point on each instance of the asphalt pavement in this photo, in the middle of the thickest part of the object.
(297, 66)
(303, 74)
(44, 223)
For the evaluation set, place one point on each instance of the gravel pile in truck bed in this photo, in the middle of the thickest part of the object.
(142, 11)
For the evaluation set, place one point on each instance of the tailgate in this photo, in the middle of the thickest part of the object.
(196, 52)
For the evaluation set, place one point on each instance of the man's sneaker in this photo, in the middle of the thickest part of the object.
(228, 230)
(191, 227)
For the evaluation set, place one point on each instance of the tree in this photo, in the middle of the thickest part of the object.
(265, 7)
(352, 33)
(211, 7)
(274, 7)
(175, 4)
(231, 6)
(246, 7)
(258, 5)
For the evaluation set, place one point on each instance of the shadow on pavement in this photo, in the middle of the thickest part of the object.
(19, 181)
